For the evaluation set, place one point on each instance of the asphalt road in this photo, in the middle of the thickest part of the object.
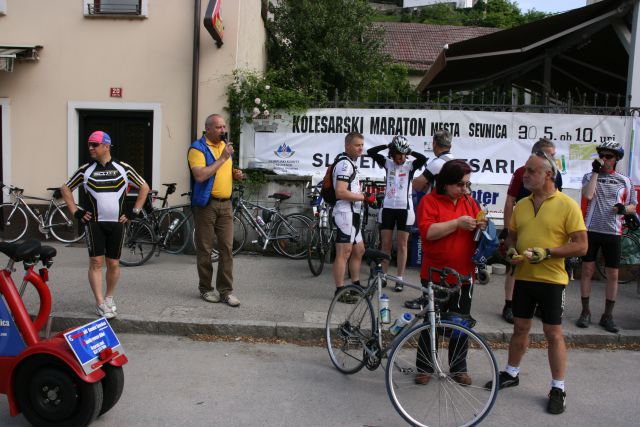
(175, 381)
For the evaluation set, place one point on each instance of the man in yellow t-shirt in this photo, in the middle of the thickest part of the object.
(211, 185)
(545, 227)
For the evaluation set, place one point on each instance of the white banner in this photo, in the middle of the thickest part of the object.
(634, 153)
(494, 143)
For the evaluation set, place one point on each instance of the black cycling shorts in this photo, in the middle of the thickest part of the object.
(104, 238)
(610, 245)
(548, 296)
(395, 218)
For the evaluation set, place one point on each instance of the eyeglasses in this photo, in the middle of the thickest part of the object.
(551, 162)
(607, 156)
(94, 144)
(463, 184)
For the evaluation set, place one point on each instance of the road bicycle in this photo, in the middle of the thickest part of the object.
(166, 228)
(287, 234)
(57, 220)
(323, 233)
(433, 343)
(371, 235)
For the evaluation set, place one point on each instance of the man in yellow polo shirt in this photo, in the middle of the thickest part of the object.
(211, 185)
(545, 227)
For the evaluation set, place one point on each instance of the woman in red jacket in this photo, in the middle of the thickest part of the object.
(447, 221)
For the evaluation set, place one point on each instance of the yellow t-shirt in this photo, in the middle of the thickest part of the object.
(558, 217)
(223, 182)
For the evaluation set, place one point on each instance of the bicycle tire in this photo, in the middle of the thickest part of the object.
(348, 329)
(239, 239)
(294, 230)
(315, 251)
(442, 401)
(13, 222)
(627, 272)
(179, 237)
(139, 243)
(64, 226)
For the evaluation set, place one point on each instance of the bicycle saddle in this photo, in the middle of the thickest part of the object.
(376, 255)
(20, 251)
(47, 253)
(280, 196)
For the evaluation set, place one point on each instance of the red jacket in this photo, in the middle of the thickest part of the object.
(454, 250)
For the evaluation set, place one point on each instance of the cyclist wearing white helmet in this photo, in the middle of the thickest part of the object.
(607, 196)
(397, 207)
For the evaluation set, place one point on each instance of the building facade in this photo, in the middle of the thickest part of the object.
(122, 66)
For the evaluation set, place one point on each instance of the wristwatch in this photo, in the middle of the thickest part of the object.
(137, 211)
(548, 252)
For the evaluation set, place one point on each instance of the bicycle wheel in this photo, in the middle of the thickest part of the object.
(13, 222)
(139, 243)
(239, 237)
(629, 267)
(293, 236)
(64, 226)
(315, 251)
(442, 401)
(178, 238)
(348, 329)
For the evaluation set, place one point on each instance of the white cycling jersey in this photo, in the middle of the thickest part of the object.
(343, 169)
(397, 193)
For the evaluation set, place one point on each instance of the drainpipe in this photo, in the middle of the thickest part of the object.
(195, 72)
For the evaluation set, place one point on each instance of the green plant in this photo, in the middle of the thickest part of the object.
(252, 96)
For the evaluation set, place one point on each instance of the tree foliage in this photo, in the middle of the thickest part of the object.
(318, 47)
(493, 13)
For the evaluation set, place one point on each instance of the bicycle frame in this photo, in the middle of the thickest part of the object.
(41, 219)
(265, 232)
(429, 312)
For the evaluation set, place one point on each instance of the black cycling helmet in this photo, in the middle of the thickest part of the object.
(613, 147)
(400, 145)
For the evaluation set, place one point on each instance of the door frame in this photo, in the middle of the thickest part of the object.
(73, 130)
(6, 141)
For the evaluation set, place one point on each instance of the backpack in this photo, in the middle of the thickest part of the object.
(327, 190)
(488, 242)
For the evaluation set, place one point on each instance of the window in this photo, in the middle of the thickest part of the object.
(115, 8)
(3, 7)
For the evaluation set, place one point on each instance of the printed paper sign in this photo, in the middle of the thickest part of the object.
(89, 340)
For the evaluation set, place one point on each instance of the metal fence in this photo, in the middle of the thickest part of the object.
(506, 101)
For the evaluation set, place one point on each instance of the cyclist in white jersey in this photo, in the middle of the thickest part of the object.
(397, 206)
(608, 196)
(346, 213)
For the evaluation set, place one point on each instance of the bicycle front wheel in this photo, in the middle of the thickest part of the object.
(139, 244)
(439, 396)
(315, 251)
(629, 269)
(293, 236)
(176, 240)
(350, 325)
(64, 226)
(13, 222)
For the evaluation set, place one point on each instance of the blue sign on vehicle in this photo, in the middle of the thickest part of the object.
(11, 342)
(89, 340)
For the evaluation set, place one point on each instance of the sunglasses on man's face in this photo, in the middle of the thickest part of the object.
(94, 144)
(607, 156)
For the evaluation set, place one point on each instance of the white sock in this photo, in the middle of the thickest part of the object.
(400, 277)
(512, 370)
(557, 384)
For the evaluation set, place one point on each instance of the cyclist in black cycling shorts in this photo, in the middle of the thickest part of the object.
(397, 207)
(105, 181)
(607, 197)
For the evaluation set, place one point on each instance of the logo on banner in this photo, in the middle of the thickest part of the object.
(284, 151)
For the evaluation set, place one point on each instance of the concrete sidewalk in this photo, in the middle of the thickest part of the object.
(279, 298)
